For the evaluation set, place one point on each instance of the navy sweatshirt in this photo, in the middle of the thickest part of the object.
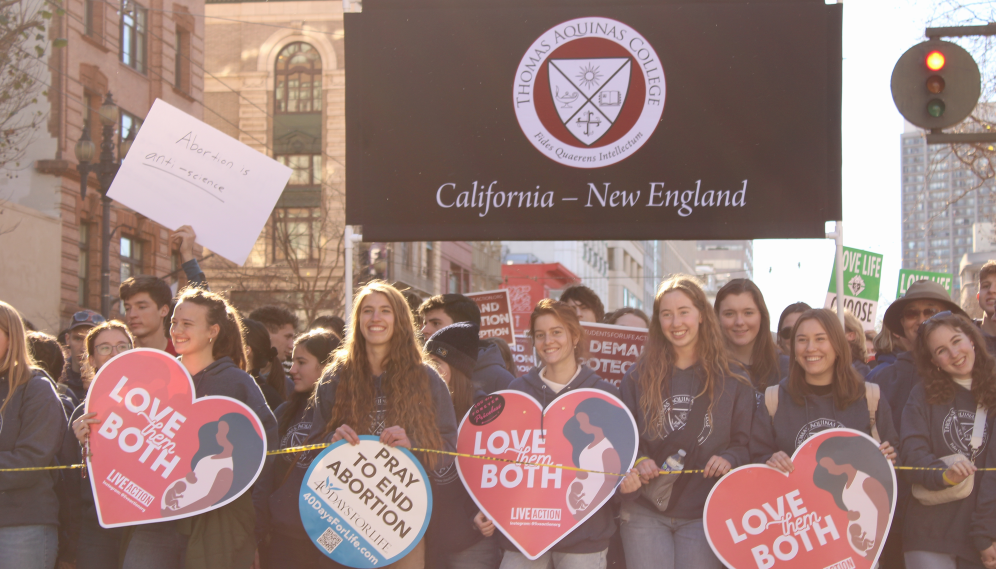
(929, 433)
(283, 485)
(983, 528)
(490, 373)
(593, 535)
(897, 381)
(32, 430)
(725, 433)
(794, 423)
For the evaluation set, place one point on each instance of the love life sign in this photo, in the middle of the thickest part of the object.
(833, 511)
(537, 506)
(160, 454)
(181, 171)
(862, 277)
(365, 505)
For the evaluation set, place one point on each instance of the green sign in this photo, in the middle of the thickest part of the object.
(909, 276)
(862, 277)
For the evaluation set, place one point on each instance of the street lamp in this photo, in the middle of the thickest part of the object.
(105, 169)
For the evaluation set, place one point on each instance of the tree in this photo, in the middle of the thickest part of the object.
(22, 45)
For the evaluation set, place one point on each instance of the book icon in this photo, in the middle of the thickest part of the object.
(609, 99)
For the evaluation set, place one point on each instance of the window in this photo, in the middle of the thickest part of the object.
(134, 22)
(306, 169)
(83, 271)
(459, 279)
(131, 257)
(90, 21)
(127, 122)
(91, 103)
(632, 300)
(295, 233)
(181, 60)
(299, 79)
(430, 260)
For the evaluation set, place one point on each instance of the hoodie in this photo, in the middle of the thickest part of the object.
(725, 433)
(794, 423)
(929, 433)
(284, 475)
(73, 380)
(593, 535)
(897, 381)
(32, 430)
(490, 374)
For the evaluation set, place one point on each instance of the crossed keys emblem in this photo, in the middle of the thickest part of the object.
(589, 93)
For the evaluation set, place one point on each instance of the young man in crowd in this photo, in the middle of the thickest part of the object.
(922, 300)
(147, 299)
(585, 302)
(490, 373)
(282, 326)
(987, 302)
(75, 338)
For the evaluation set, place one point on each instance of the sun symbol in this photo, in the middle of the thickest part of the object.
(589, 76)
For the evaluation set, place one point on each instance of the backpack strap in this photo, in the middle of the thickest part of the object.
(872, 394)
(771, 400)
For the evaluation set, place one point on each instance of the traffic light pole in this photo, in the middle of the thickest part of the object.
(937, 136)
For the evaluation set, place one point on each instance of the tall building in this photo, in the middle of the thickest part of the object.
(717, 262)
(50, 236)
(941, 201)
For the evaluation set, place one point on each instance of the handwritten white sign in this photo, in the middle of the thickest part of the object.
(181, 171)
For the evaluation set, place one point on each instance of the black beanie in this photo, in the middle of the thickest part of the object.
(456, 345)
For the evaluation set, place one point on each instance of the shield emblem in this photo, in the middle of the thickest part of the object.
(589, 93)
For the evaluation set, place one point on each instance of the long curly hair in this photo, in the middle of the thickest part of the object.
(847, 385)
(937, 383)
(406, 377)
(764, 355)
(17, 363)
(655, 367)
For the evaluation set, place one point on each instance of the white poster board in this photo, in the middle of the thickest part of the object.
(181, 171)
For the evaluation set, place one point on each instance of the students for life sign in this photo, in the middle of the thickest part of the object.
(160, 454)
(833, 511)
(612, 350)
(365, 505)
(496, 314)
(535, 505)
(522, 355)
(910, 276)
(181, 171)
(862, 277)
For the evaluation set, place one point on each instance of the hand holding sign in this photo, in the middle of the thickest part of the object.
(833, 509)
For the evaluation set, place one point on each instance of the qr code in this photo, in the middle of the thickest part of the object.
(329, 540)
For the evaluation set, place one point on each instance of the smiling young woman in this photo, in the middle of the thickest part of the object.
(959, 383)
(743, 316)
(682, 383)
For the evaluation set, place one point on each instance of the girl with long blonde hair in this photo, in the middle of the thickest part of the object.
(685, 396)
(378, 383)
(32, 427)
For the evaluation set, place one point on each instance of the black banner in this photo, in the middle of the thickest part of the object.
(671, 121)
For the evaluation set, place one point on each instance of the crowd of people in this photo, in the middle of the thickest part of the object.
(712, 384)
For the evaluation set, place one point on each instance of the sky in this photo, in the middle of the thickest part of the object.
(876, 34)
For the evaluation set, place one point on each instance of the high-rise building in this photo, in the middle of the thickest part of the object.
(941, 201)
(717, 262)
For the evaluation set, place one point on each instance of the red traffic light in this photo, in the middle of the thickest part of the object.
(935, 61)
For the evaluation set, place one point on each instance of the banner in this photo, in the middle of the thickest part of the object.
(181, 171)
(536, 506)
(522, 354)
(613, 349)
(366, 505)
(160, 454)
(574, 121)
(862, 277)
(910, 276)
(496, 314)
(833, 511)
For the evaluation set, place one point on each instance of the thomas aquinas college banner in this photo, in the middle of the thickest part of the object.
(549, 120)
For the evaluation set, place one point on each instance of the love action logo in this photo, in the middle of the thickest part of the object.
(589, 92)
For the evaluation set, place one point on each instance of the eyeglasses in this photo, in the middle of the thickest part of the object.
(936, 315)
(785, 333)
(106, 349)
(911, 313)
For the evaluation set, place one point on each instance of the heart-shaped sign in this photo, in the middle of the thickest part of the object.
(536, 506)
(834, 510)
(159, 454)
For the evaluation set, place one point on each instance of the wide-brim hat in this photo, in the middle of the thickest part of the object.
(920, 290)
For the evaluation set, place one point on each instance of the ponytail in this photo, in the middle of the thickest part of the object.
(220, 312)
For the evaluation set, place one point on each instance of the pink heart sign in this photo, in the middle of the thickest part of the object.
(160, 454)
(834, 510)
(536, 506)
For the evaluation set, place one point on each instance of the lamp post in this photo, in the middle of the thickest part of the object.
(105, 168)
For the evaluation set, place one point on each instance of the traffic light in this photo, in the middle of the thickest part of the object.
(936, 84)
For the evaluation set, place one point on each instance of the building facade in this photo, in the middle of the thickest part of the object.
(717, 262)
(50, 235)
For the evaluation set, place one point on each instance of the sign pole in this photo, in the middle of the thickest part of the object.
(349, 237)
(838, 236)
